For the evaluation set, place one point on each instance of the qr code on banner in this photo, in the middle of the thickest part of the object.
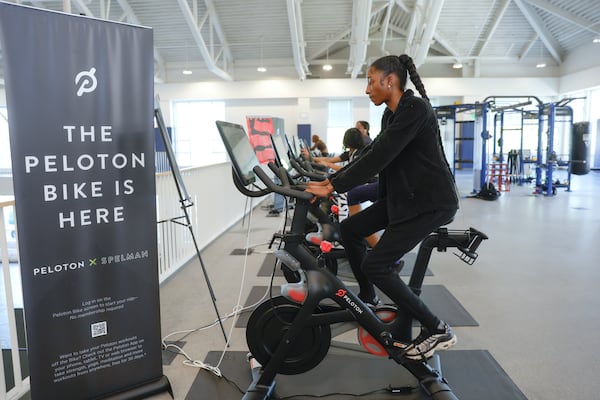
(99, 329)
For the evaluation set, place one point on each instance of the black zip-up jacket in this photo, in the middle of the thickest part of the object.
(414, 175)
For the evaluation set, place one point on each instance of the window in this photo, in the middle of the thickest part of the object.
(585, 107)
(196, 140)
(339, 119)
(594, 118)
(375, 114)
(578, 105)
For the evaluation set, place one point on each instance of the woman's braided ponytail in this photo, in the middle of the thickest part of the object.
(410, 67)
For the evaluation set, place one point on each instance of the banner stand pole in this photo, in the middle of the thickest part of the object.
(186, 202)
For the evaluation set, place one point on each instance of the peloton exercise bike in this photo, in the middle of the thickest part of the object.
(328, 229)
(291, 334)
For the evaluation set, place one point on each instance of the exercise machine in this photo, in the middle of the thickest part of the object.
(554, 148)
(538, 135)
(320, 214)
(464, 133)
(291, 334)
(517, 126)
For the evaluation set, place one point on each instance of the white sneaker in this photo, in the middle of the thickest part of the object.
(427, 343)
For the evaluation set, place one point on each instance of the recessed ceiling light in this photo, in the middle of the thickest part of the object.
(457, 65)
(261, 69)
(327, 67)
(540, 65)
(186, 72)
(596, 40)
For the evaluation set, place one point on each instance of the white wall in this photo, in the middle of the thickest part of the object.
(581, 70)
(353, 88)
(306, 102)
(217, 204)
(580, 80)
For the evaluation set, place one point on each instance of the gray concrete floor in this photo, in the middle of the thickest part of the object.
(533, 290)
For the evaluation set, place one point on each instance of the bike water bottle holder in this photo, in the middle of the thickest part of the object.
(287, 259)
(294, 291)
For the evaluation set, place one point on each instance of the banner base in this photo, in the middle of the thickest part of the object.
(144, 391)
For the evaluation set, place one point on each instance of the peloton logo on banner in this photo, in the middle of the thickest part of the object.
(87, 81)
(79, 265)
(342, 293)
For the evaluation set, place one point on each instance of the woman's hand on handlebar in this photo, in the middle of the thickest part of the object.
(319, 188)
(305, 154)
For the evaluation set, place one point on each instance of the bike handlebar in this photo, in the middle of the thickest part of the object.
(285, 189)
(244, 190)
(308, 172)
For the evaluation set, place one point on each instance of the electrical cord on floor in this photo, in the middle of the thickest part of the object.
(321, 396)
(255, 245)
(237, 310)
(168, 346)
(324, 396)
(187, 332)
(189, 361)
(233, 384)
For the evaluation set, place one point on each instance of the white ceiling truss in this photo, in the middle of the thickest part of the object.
(228, 39)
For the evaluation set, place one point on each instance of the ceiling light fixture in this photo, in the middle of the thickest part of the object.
(457, 65)
(327, 66)
(261, 68)
(541, 63)
(187, 70)
(596, 40)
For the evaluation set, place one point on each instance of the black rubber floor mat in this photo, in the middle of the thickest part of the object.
(472, 375)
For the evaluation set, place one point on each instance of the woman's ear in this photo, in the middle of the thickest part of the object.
(392, 81)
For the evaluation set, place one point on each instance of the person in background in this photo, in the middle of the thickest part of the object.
(319, 145)
(363, 127)
(366, 192)
(353, 143)
(417, 194)
(278, 204)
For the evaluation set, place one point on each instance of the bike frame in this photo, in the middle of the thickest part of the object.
(321, 284)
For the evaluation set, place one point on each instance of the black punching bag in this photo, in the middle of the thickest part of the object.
(580, 148)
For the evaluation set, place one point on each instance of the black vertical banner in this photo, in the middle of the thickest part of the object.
(80, 99)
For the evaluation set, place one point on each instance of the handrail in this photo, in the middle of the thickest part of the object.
(20, 384)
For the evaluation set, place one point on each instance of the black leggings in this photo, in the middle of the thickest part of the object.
(378, 267)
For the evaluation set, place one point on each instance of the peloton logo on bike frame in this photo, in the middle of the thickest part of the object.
(342, 293)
